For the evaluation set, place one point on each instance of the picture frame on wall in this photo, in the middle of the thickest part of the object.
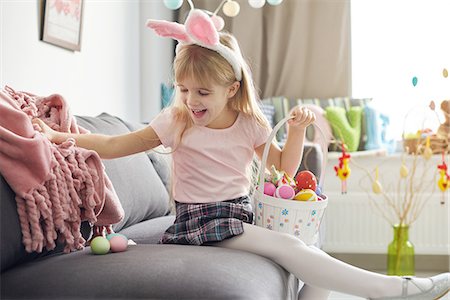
(62, 23)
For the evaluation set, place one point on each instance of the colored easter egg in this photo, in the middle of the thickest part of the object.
(269, 188)
(100, 245)
(404, 171)
(427, 153)
(414, 81)
(109, 236)
(285, 191)
(445, 73)
(118, 243)
(306, 180)
(306, 195)
(376, 187)
(318, 191)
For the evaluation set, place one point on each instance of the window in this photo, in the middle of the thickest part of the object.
(394, 41)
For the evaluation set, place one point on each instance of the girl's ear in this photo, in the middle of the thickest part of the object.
(233, 88)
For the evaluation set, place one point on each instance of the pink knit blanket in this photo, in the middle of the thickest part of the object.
(56, 186)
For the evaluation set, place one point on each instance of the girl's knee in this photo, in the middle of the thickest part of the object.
(288, 240)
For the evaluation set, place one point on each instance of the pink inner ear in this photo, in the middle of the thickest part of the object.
(169, 29)
(200, 26)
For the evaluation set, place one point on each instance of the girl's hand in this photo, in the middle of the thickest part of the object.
(45, 129)
(302, 117)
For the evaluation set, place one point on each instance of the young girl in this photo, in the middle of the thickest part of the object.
(214, 128)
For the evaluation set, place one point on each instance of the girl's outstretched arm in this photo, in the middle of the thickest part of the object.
(107, 146)
(290, 157)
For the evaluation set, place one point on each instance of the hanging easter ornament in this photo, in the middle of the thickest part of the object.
(274, 2)
(445, 73)
(403, 169)
(444, 178)
(427, 152)
(376, 185)
(414, 81)
(256, 3)
(343, 169)
(231, 8)
(173, 4)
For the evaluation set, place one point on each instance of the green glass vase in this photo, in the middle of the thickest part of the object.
(400, 253)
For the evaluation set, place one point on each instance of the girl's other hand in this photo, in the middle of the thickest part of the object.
(40, 126)
(302, 117)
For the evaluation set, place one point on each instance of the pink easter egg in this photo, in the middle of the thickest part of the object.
(269, 188)
(118, 244)
(285, 191)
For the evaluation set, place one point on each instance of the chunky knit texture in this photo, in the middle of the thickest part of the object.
(57, 186)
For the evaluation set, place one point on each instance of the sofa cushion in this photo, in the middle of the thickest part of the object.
(150, 231)
(137, 184)
(151, 272)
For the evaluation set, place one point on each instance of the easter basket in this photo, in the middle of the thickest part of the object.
(299, 218)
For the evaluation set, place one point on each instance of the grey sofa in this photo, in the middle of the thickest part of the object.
(147, 270)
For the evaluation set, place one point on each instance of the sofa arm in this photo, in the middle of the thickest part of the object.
(312, 159)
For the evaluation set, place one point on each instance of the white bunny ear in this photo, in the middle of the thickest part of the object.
(201, 28)
(169, 29)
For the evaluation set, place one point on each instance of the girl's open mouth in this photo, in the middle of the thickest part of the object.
(198, 113)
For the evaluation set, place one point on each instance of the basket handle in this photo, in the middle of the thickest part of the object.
(277, 127)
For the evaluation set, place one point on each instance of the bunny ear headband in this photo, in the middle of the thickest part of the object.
(199, 30)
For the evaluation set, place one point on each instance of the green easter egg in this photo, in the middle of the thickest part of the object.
(414, 81)
(100, 245)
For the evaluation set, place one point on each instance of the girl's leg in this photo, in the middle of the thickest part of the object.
(311, 292)
(318, 269)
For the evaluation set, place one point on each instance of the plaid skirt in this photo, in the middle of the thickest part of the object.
(206, 223)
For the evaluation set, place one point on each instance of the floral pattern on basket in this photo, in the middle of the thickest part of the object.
(303, 223)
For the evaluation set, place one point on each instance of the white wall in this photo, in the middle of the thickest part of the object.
(105, 75)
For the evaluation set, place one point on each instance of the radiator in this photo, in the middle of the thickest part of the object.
(351, 224)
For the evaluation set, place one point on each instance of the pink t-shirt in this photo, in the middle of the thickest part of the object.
(211, 165)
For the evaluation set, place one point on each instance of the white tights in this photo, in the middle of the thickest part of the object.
(319, 271)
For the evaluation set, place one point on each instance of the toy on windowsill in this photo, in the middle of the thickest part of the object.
(444, 129)
(343, 170)
(444, 178)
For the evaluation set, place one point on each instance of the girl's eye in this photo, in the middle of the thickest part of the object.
(183, 90)
(202, 93)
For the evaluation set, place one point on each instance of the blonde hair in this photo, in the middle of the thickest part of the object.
(207, 66)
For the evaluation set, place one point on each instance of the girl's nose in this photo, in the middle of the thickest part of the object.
(191, 99)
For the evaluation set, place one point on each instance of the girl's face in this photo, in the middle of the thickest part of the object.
(208, 105)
